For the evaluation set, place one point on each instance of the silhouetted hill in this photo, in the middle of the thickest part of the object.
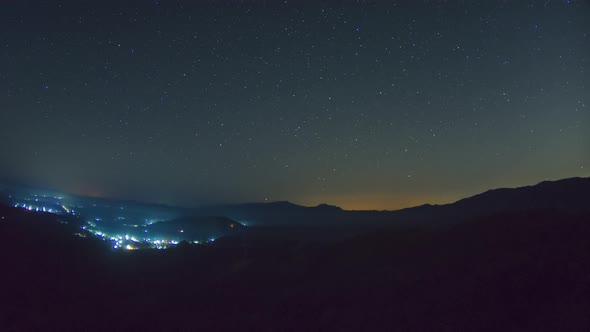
(274, 213)
(327, 207)
(569, 195)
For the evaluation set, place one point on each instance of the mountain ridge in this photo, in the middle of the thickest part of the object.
(565, 194)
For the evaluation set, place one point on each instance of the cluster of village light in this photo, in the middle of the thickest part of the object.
(38, 203)
(129, 242)
(38, 208)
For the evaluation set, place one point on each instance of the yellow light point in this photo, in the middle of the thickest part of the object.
(128, 247)
(65, 208)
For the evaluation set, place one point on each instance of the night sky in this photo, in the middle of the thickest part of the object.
(377, 105)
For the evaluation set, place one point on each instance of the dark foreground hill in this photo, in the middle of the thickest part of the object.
(521, 270)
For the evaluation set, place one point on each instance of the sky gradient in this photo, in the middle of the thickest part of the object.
(372, 106)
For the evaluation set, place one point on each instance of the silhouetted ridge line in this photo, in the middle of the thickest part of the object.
(570, 195)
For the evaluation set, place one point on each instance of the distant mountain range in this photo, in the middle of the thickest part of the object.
(570, 196)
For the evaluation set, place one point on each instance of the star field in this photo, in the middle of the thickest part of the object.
(377, 105)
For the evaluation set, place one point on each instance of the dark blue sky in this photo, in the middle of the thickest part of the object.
(372, 105)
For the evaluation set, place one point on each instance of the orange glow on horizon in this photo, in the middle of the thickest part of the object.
(379, 202)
